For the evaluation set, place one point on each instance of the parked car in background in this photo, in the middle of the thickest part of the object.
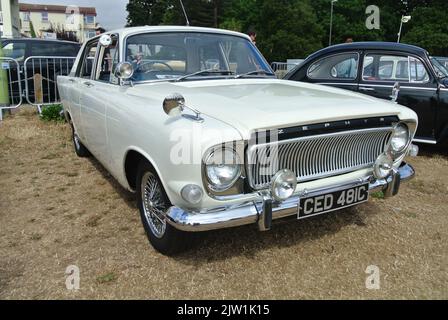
(21, 49)
(442, 60)
(374, 68)
(194, 121)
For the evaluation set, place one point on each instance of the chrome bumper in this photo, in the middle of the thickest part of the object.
(264, 210)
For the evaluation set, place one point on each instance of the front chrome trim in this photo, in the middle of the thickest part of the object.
(306, 156)
(249, 212)
(425, 141)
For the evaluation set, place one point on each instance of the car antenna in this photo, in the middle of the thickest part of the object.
(185, 13)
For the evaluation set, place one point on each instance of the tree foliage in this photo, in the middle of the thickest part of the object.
(296, 28)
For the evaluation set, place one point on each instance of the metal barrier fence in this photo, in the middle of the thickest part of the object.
(11, 88)
(40, 78)
(10, 84)
(282, 68)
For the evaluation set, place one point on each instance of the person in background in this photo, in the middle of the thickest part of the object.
(253, 37)
(349, 40)
(99, 30)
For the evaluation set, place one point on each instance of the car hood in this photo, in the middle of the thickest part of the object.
(250, 104)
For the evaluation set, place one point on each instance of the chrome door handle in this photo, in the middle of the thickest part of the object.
(71, 80)
(88, 84)
(366, 89)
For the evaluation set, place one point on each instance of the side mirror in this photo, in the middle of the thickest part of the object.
(395, 92)
(174, 104)
(105, 40)
(124, 71)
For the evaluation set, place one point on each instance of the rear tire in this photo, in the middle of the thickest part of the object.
(80, 149)
(153, 203)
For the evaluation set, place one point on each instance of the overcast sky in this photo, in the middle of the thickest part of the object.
(111, 13)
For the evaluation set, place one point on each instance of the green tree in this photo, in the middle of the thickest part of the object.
(287, 29)
(146, 12)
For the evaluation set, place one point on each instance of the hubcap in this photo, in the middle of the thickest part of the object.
(154, 205)
(76, 140)
(75, 137)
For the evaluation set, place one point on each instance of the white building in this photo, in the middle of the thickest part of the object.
(73, 20)
(9, 19)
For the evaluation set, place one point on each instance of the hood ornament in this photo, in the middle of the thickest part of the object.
(174, 105)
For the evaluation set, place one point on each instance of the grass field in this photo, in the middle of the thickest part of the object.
(58, 210)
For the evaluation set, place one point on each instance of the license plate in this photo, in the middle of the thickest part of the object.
(313, 206)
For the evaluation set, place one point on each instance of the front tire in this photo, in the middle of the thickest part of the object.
(153, 203)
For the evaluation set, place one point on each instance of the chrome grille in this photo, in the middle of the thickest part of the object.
(315, 157)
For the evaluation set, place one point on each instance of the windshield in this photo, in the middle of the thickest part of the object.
(170, 56)
(441, 70)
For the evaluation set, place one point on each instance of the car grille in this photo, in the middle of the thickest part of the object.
(317, 156)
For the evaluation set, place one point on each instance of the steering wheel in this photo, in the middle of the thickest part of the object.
(151, 63)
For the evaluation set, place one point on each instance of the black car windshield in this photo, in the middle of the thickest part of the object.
(192, 56)
(441, 70)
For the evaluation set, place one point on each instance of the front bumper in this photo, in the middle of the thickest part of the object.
(264, 210)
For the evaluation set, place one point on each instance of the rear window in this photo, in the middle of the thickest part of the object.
(14, 50)
(54, 49)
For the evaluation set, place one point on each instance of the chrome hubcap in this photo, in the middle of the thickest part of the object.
(76, 140)
(153, 204)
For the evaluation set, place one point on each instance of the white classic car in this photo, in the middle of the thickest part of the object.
(194, 121)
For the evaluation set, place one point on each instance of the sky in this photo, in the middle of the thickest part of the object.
(111, 13)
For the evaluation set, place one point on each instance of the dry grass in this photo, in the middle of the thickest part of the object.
(57, 210)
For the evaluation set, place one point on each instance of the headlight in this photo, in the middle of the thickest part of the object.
(383, 166)
(223, 168)
(283, 185)
(400, 138)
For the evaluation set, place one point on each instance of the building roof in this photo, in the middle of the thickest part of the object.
(26, 7)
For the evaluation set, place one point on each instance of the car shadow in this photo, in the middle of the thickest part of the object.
(127, 196)
(430, 151)
(247, 241)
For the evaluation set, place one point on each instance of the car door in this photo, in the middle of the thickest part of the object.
(95, 92)
(93, 108)
(418, 86)
(337, 70)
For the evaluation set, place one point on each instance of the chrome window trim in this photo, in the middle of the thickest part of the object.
(334, 55)
(391, 86)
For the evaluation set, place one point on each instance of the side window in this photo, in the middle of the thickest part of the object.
(382, 67)
(418, 71)
(88, 59)
(108, 57)
(15, 50)
(341, 66)
(54, 49)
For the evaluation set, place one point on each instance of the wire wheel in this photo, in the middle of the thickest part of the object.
(154, 204)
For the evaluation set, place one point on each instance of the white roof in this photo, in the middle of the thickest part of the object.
(135, 30)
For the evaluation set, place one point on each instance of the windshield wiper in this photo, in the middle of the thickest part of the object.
(204, 72)
(255, 72)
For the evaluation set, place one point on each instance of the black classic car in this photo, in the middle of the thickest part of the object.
(22, 48)
(376, 69)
